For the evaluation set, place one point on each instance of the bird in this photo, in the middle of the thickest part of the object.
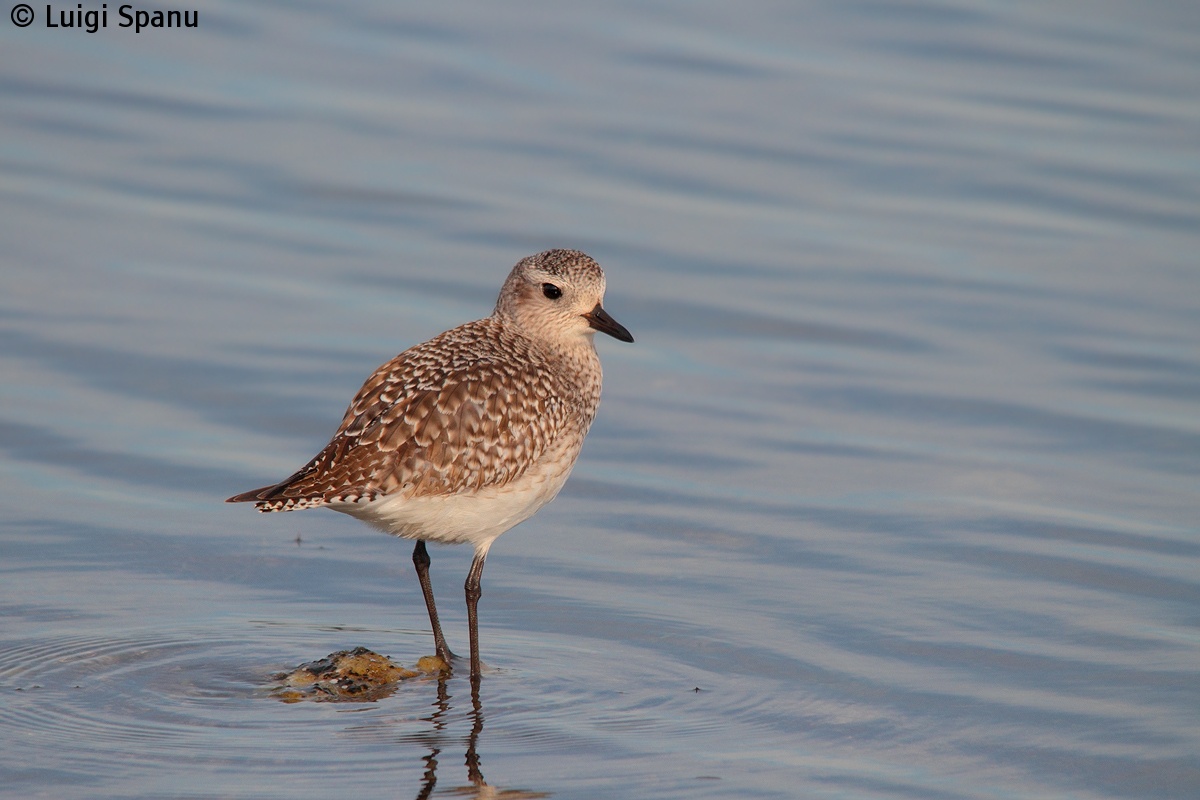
(460, 438)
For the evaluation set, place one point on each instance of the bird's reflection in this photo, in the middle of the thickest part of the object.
(477, 787)
(361, 675)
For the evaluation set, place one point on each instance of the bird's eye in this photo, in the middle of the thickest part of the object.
(551, 291)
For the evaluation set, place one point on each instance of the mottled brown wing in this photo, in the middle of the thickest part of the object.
(434, 421)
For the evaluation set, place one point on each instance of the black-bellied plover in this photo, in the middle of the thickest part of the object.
(459, 439)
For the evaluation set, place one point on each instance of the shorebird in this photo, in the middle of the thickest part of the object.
(460, 438)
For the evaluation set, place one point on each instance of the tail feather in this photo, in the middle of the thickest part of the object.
(272, 498)
(252, 496)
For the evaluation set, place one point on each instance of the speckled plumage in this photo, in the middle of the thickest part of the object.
(474, 407)
(462, 437)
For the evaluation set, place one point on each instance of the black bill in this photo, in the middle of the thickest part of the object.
(599, 319)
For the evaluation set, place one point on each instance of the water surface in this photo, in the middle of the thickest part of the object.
(895, 495)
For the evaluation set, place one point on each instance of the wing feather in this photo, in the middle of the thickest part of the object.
(471, 408)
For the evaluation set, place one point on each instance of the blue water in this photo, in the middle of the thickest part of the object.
(895, 496)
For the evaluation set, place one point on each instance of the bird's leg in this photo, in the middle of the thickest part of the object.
(474, 590)
(421, 562)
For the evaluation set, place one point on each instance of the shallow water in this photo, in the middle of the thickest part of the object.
(895, 495)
